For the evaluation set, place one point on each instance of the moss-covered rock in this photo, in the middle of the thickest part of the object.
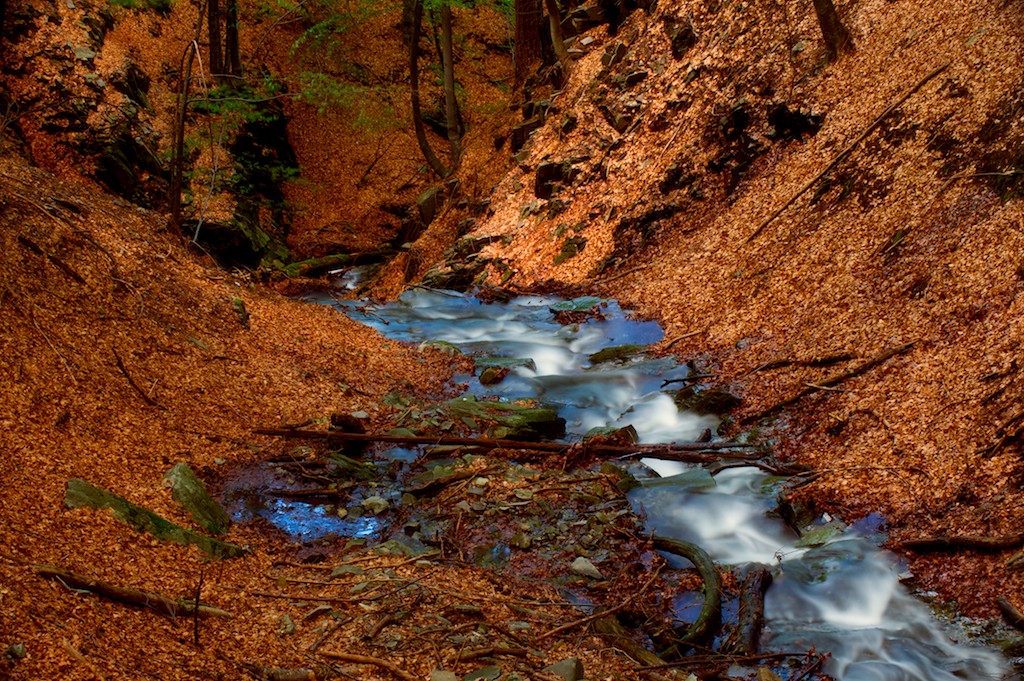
(509, 419)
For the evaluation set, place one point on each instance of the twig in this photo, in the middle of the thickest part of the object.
(830, 382)
(375, 661)
(195, 614)
(682, 337)
(333, 629)
(845, 152)
(901, 236)
(148, 400)
(602, 613)
(620, 275)
(39, 330)
(490, 651)
(146, 599)
(73, 651)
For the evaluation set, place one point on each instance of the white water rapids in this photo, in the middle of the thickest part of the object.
(834, 591)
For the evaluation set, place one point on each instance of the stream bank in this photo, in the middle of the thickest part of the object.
(834, 592)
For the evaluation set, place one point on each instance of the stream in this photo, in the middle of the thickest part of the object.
(834, 589)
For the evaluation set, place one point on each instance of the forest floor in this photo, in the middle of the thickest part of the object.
(123, 352)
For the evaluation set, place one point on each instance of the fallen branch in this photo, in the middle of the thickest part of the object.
(491, 651)
(602, 613)
(375, 661)
(965, 542)
(74, 652)
(146, 398)
(750, 619)
(145, 599)
(813, 363)
(697, 448)
(846, 152)
(710, 617)
(830, 382)
(901, 235)
(1010, 613)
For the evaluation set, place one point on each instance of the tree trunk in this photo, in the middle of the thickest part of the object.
(216, 64)
(555, 23)
(527, 39)
(837, 38)
(451, 104)
(178, 158)
(232, 57)
(414, 86)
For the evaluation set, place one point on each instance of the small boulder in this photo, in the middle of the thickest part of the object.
(570, 669)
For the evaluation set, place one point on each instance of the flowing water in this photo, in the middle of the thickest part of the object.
(833, 588)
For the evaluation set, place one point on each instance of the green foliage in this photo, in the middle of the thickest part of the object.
(159, 6)
(324, 91)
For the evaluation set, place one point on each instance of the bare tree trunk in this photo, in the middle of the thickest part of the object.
(555, 22)
(414, 86)
(837, 38)
(178, 158)
(232, 57)
(451, 104)
(527, 39)
(216, 64)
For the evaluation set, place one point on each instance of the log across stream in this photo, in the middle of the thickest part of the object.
(831, 587)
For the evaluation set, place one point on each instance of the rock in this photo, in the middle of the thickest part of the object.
(428, 203)
(570, 669)
(789, 124)
(190, 492)
(569, 122)
(80, 493)
(493, 375)
(681, 38)
(521, 132)
(716, 400)
(635, 77)
(616, 353)
(677, 176)
(582, 566)
(512, 420)
(488, 673)
(571, 247)
(375, 504)
(443, 675)
(85, 53)
(619, 120)
(765, 674)
(614, 53)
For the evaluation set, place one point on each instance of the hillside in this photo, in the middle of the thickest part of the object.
(914, 236)
(654, 177)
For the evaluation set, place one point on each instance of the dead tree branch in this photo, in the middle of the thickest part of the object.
(145, 599)
(829, 382)
(846, 152)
